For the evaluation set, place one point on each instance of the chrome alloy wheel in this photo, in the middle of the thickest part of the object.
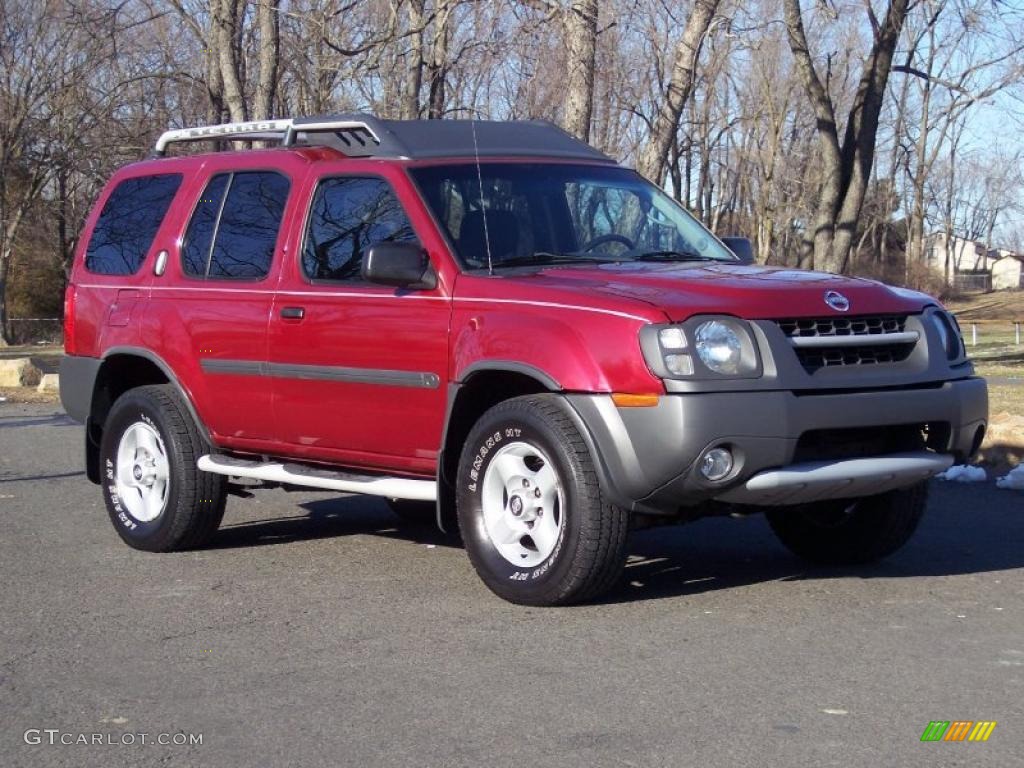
(523, 504)
(143, 472)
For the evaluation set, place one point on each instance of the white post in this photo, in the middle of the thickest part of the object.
(974, 334)
(1016, 333)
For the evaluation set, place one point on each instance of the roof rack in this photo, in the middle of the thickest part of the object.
(354, 133)
(361, 135)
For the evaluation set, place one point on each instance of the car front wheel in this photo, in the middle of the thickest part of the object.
(533, 519)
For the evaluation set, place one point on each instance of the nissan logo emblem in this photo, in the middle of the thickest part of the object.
(837, 301)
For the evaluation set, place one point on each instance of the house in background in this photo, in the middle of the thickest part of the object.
(1008, 272)
(972, 265)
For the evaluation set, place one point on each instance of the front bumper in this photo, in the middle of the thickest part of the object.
(647, 456)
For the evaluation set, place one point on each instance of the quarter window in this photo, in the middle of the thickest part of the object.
(128, 223)
(234, 227)
(348, 215)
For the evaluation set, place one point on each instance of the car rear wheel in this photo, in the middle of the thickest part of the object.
(533, 519)
(850, 531)
(156, 497)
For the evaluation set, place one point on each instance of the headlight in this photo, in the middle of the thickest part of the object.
(719, 347)
(949, 334)
(943, 328)
(701, 348)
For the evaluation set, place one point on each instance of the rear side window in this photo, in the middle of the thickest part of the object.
(195, 252)
(234, 227)
(349, 214)
(128, 223)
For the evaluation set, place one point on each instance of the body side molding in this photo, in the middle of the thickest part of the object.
(383, 377)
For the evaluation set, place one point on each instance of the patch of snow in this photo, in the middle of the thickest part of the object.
(963, 473)
(1013, 481)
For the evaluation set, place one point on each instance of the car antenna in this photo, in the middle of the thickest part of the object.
(480, 183)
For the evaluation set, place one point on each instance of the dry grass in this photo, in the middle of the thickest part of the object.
(1000, 307)
(998, 359)
(27, 395)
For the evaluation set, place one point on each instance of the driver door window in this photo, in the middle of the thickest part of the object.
(350, 214)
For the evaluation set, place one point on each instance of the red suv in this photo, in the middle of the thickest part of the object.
(498, 324)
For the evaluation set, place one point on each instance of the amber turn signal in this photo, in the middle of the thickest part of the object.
(624, 400)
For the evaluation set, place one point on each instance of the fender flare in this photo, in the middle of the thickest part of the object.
(512, 366)
(445, 490)
(171, 377)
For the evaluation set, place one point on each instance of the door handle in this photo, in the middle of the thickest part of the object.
(293, 313)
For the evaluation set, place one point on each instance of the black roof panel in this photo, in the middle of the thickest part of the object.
(422, 139)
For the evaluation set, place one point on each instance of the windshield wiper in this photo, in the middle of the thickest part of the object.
(672, 256)
(546, 257)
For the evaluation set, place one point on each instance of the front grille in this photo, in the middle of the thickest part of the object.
(842, 326)
(826, 357)
(813, 358)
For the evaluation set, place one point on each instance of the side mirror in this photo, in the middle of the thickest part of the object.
(403, 265)
(741, 247)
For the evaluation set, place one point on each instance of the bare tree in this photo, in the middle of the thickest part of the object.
(958, 56)
(581, 45)
(48, 52)
(414, 69)
(227, 16)
(269, 52)
(846, 164)
(653, 156)
(437, 72)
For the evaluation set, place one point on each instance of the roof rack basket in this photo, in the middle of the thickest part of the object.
(356, 137)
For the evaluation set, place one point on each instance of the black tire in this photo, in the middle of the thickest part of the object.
(414, 512)
(590, 551)
(851, 531)
(194, 500)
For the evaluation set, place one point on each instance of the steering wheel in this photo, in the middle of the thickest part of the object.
(611, 237)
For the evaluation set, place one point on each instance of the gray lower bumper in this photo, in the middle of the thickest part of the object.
(647, 456)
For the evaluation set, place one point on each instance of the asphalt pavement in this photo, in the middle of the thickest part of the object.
(317, 630)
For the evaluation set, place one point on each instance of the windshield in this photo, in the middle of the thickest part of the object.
(552, 213)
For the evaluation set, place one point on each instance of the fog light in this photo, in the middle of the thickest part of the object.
(716, 464)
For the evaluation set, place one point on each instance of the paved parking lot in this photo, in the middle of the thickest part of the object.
(318, 631)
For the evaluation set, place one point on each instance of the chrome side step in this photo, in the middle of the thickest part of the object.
(312, 477)
(846, 479)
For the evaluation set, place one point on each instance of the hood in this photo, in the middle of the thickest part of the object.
(752, 292)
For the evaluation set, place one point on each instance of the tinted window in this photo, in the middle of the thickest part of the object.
(348, 216)
(234, 227)
(248, 225)
(195, 252)
(128, 223)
